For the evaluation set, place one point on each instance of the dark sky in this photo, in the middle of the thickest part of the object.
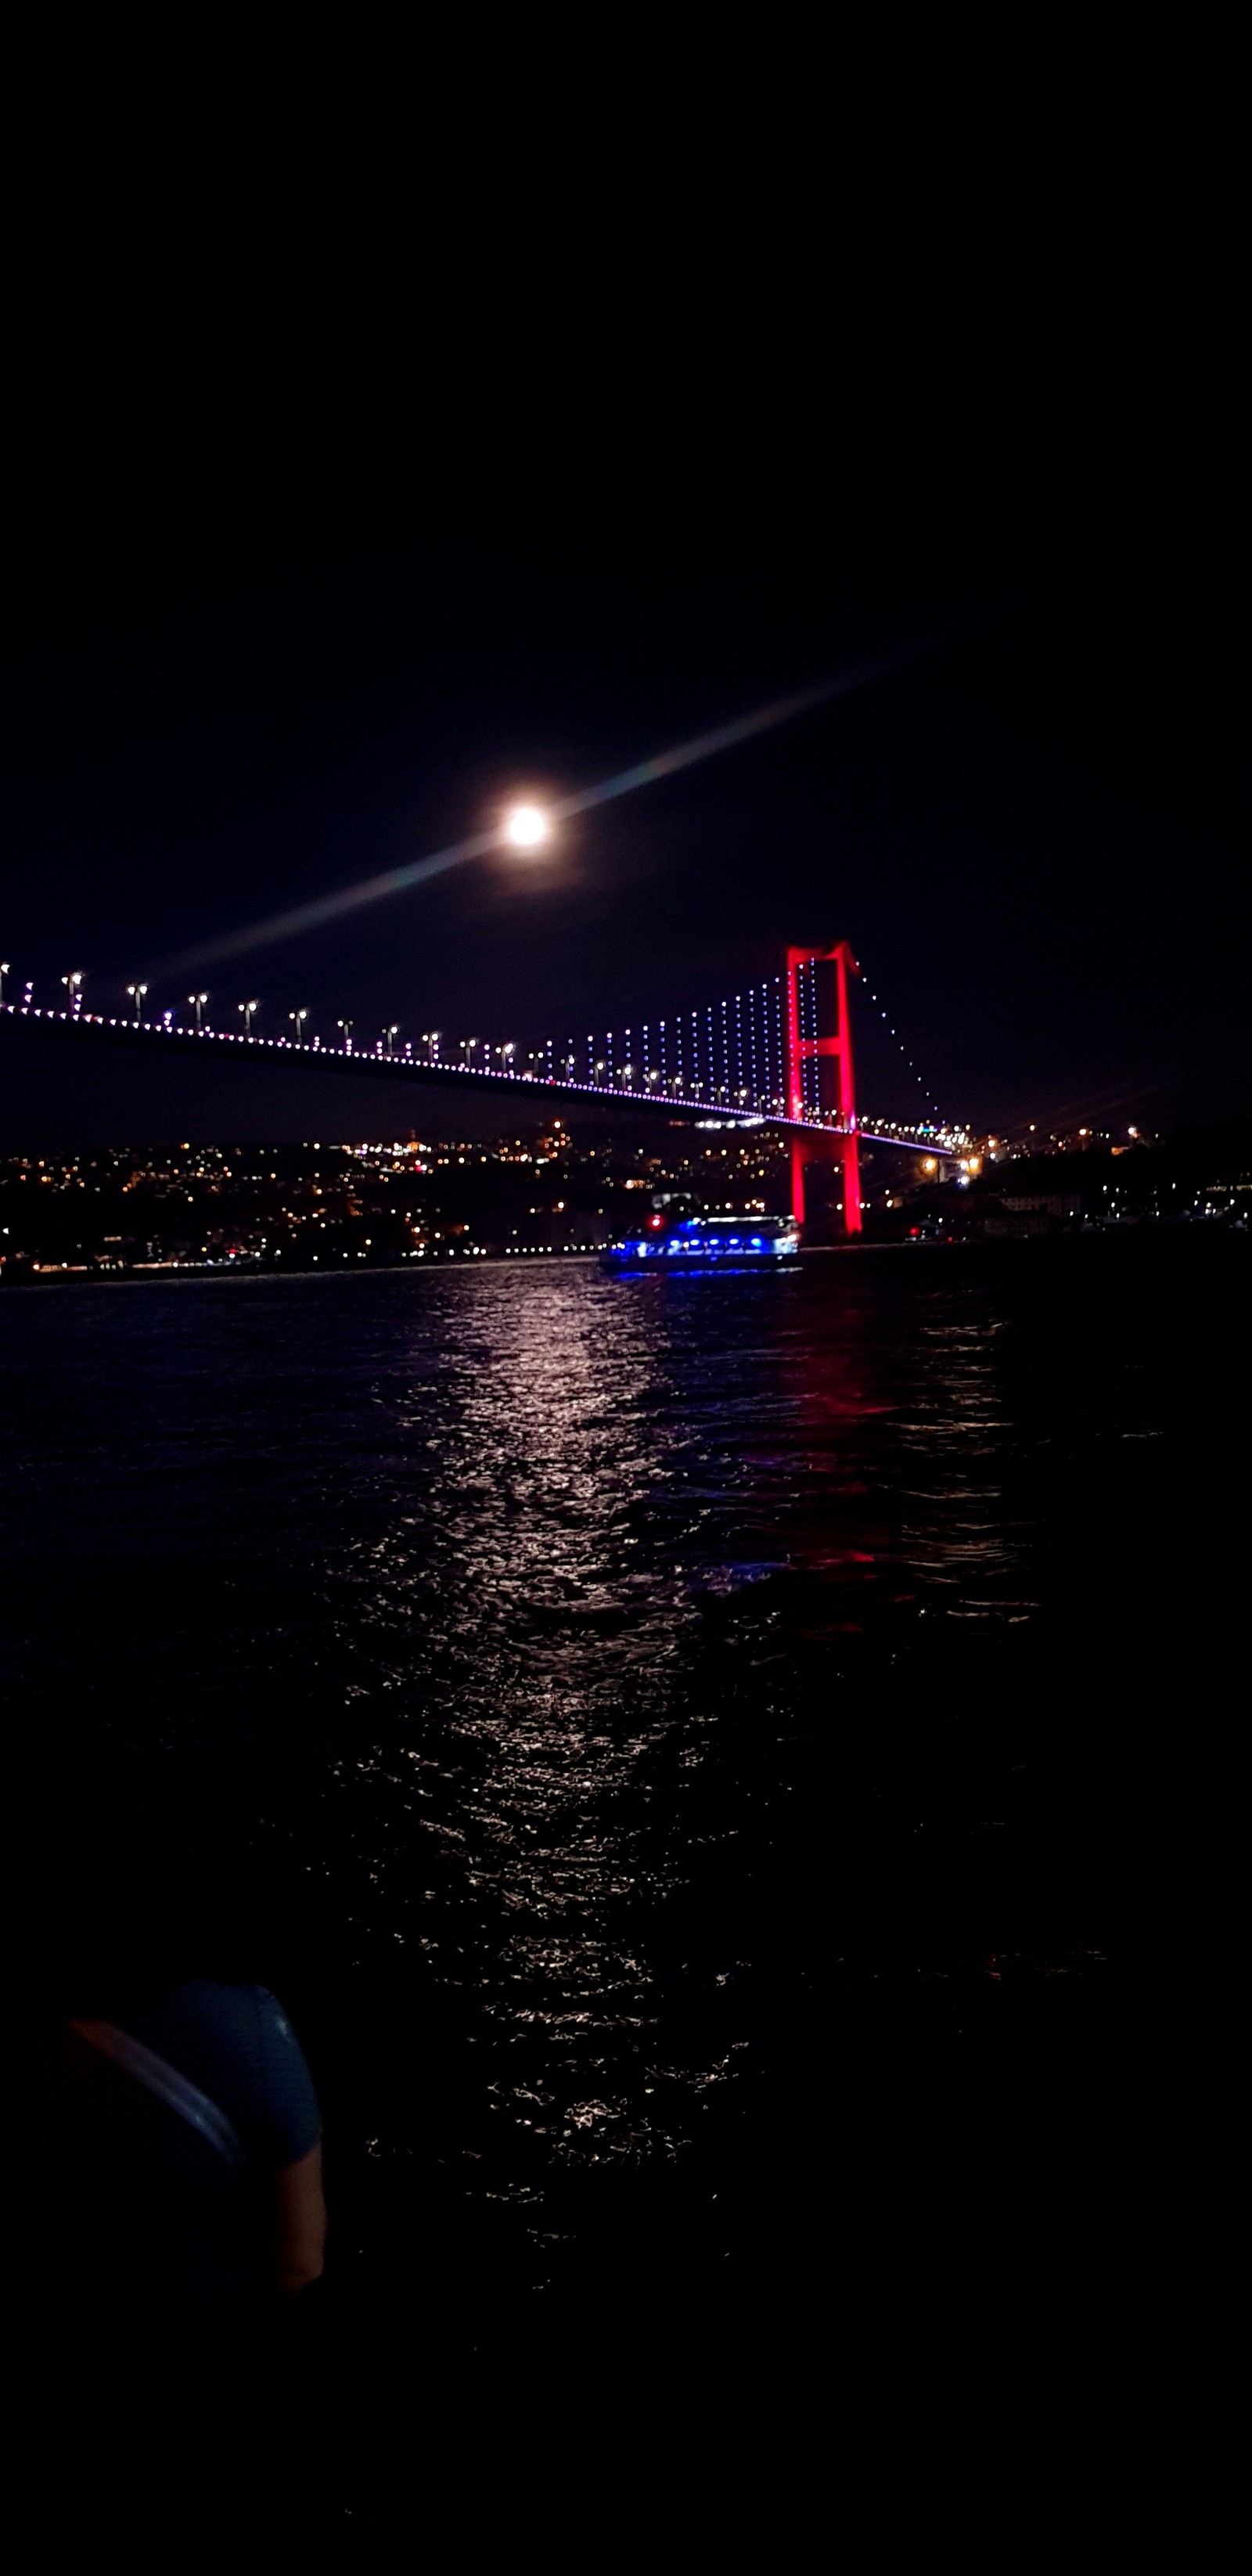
(385, 433)
(1032, 834)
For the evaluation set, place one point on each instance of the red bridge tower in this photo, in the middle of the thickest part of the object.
(837, 1144)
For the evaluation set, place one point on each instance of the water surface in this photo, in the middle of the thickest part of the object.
(693, 1725)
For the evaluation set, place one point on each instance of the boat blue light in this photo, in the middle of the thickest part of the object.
(708, 1239)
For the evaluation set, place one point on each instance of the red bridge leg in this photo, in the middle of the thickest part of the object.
(850, 1159)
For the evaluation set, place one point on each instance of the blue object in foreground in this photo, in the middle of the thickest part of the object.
(735, 1242)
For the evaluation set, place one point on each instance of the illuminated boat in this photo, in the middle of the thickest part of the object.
(699, 1242)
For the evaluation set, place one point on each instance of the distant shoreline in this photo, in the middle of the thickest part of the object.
(178, 1275)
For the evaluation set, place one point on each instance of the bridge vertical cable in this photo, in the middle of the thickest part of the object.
(815, 1070)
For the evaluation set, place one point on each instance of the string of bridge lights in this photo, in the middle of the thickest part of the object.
(894, 1033)
(728, 1055)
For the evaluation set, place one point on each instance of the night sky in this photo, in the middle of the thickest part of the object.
(1031, 831)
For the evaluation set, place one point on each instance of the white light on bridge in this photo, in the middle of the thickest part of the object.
(527, 827)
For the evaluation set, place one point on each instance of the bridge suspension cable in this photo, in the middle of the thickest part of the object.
(741, 1057)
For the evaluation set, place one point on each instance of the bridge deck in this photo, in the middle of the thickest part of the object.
(522, 1090)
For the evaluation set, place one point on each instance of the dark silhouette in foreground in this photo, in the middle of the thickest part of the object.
(165, 2149)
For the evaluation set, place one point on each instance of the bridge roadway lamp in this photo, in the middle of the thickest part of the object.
(197, 1001)
(247, 1009)
(299, 1018)
(6, 969)
(137, 992)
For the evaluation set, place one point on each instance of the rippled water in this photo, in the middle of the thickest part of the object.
(689, 1722)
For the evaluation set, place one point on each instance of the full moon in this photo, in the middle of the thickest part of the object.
(527, 827)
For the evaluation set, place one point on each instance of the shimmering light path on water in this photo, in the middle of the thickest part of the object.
(685, 1723)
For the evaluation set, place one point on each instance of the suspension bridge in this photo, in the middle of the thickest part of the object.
(778, 1052)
